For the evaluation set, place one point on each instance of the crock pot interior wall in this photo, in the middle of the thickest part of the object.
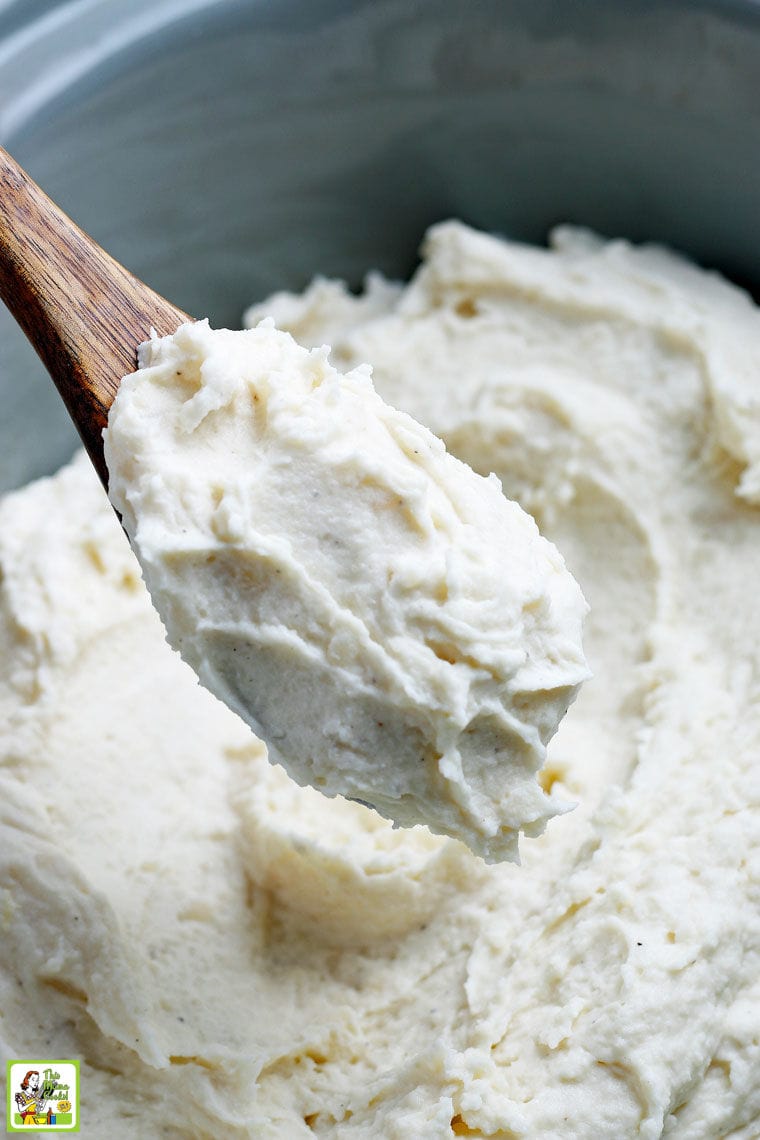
(243, 147)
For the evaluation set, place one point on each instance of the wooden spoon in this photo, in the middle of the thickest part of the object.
(84, 314)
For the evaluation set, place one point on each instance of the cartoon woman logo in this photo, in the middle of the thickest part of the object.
(31, 1102)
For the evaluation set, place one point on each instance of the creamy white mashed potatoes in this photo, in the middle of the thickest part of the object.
(393, 628)
(231, 954)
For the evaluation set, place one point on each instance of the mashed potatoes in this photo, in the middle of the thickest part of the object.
(393, 628)
(231, 954)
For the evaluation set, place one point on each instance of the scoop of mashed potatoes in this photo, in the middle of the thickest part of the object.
(393, 627)
(231, 954)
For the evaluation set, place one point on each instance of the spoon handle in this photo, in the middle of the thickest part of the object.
(83, 312)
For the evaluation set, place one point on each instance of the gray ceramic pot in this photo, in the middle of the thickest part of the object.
(226, 148)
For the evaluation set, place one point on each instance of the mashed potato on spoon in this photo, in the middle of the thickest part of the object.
(392, 626)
